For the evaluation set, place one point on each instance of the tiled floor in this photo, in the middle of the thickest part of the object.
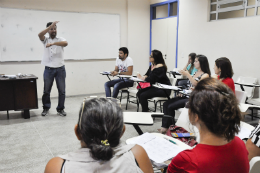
(26, 145)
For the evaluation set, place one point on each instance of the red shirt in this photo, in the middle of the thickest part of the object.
(232, 157)
(229, 82)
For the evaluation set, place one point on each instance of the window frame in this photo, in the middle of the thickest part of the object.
(244, 7)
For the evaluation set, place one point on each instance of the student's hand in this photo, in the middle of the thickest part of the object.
(49, 44)
(114, 73)
(139, 76)
(54, 23)
(184, 72)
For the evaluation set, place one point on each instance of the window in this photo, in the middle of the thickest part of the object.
(225, 9)
(168, 9)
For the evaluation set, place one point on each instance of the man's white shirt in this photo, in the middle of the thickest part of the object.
(53, 56)
(122, 65)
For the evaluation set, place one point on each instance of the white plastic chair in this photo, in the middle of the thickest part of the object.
(241, 97)
(183, 121)
(254, 165)
(247, 80)
(163, 99)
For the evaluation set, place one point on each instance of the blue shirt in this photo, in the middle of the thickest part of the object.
(193, 70)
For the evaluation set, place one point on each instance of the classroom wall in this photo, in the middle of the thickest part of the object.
(156, 1)
(236, 39)
(83, 76)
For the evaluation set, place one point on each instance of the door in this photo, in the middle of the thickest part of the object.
(164, 35)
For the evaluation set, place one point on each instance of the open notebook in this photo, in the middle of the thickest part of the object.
(158, 149)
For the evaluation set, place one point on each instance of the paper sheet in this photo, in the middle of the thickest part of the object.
(243, 133)
(106, 72)
(169, 87)
(157, 148)
(136, 79)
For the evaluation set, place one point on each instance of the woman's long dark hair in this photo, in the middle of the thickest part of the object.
(192, 57)
(101, 119)
(225, 66)
(216, 106)
(158, 58)
(204, 64)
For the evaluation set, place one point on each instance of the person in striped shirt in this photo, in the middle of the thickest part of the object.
(253, 143)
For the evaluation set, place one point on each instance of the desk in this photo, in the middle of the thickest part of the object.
(107, 74)
(138, 118)
(19, 94)
(174, 73)
(247, 85)
(166, 87)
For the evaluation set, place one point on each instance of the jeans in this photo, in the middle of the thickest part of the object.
(117, 84)
(148, 93)
(59, 74)
(169, 108)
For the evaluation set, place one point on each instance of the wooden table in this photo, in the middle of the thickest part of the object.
(18, 94)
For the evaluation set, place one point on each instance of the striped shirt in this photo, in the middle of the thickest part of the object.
(255, 136)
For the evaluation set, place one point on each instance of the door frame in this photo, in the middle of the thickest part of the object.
(151, 18)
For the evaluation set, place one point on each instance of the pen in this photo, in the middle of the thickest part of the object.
(170, 140)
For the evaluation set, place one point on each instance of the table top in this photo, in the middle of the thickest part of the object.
(28, 76)
(176, 73)
(124, 76)
(247, 84)
(138, 118)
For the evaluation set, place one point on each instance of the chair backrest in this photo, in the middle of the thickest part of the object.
(241, 96)
(183, 121)
(254, 165)
(248, 80)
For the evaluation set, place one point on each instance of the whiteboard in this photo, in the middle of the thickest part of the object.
(89, 35)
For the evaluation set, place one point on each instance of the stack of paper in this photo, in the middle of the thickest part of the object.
(157, 148)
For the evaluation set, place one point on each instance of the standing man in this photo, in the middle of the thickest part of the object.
(53, 60)
(124, 66)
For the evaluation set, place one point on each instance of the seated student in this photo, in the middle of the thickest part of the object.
(213, 109)
(223, 70)
(253, 143)
(202, 65)
(124, 66)
(155, 74)
(189, 67)
(99, 129)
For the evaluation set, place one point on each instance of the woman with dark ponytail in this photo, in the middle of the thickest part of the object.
(213, 109)
(99, 129)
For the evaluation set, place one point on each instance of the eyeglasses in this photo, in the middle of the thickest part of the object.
(91, 97)
(151, 56)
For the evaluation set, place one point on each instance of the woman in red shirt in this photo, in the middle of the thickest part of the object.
(213, 109)
(223, 68)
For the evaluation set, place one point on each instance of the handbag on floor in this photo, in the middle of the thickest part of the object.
(143, 85)
(177, 129)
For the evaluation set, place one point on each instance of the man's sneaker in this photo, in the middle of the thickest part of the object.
(61, 113)
(45, 112)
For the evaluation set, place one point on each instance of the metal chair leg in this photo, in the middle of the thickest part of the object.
(160, 106)
(7, 114)
(155, 105)
(137, 102)
(121, 96)
(127, 100)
